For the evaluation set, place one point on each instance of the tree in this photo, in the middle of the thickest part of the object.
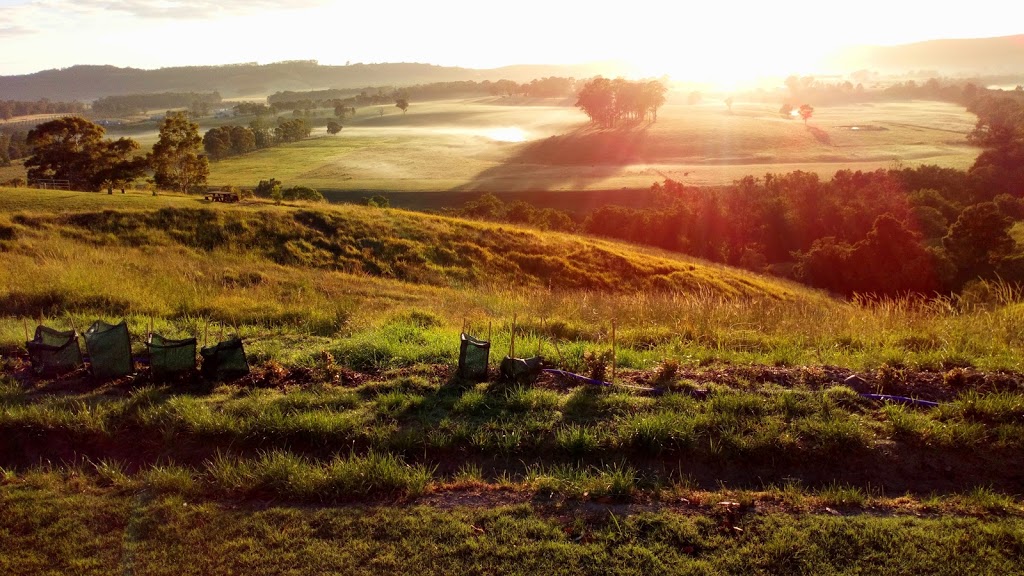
(176, 157)
(504, 88)
(653, 98)
(333, 127)
(341, 111)
(73, 149)
(5, 149)
(242, 140)
(806, 111)
(597, 100)
(67, 148)
(267, 187)
(402, 104)
(292, 130)
(217, 142)
(978, 240)
(118, 164)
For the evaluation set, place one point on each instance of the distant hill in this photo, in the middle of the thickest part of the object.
(88, 83)
(975, 56)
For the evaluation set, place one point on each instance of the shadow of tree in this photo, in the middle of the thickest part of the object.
(820, 135)
(578, 159)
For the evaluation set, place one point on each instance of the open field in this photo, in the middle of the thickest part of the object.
(471, 145)
(354, 447)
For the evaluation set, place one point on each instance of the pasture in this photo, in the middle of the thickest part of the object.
(486, 145)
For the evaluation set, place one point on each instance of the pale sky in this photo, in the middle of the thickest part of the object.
(677, 38)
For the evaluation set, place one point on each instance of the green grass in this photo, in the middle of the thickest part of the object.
(72, 526)
(351, 317)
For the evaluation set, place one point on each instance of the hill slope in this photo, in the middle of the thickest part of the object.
(951, 56)
(232, 80)
(407, 246)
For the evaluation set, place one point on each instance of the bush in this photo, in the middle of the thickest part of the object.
(302, 193)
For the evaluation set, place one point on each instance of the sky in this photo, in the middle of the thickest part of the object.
(709, 40)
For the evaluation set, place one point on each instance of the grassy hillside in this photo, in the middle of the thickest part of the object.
(354, 447)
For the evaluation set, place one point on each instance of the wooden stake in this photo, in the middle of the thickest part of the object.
(463, 325)
(221, 337)
(150, 328)
(488, 331)
(25, 321)
(73, 327)
(206, 333)
(512, 341)
(560, 357)
(613, 351)
(540, 339)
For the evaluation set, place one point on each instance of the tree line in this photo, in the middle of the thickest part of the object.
(375, 95)
(129, 104)
(14, 108)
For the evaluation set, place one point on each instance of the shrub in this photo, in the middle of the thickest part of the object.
(302, 193)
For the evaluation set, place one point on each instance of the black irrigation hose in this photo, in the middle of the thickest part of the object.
(902, 400)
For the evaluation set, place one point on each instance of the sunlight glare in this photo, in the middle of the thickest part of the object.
(507, 134)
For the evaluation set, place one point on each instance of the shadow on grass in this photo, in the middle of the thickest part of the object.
(579, 159)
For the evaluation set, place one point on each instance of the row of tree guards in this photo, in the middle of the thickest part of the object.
(474, 359)
(53, 352)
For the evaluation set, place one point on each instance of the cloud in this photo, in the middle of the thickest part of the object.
(11, 31)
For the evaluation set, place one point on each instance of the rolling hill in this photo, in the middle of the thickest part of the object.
(974, 56)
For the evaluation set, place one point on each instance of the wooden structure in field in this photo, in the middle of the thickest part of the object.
(50, 184)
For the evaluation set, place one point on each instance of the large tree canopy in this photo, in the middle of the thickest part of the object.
(73, 149)
(176, 158)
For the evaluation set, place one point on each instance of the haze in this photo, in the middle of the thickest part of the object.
(717, 42)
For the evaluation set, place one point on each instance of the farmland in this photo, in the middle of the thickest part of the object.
(486, 145)
(734, 440)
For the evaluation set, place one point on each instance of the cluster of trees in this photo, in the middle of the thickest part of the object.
(14, 108)
(272, 189)
(489, 207)
(608, 102)
(198, 102)
(224, 141)
(74, 149)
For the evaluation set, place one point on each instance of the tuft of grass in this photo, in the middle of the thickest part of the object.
(572, 481)
(577, 440)
(841, 495)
